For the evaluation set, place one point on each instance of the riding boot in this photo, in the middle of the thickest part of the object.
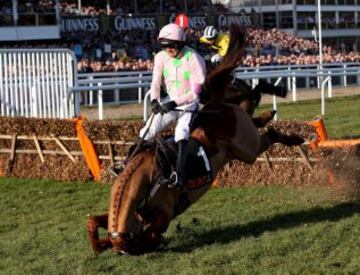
(180, 178)
(267, 88)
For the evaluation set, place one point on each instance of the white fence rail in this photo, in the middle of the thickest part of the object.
(44, 82)
(35, 82)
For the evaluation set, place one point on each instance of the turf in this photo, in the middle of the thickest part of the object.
(249, 230)
(342, 116)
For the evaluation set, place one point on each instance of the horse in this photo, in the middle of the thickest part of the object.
(141, 206)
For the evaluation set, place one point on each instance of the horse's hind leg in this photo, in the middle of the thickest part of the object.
(263, 119)
(272, 136)
(93, 223)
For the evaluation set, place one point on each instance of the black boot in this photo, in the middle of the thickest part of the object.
(179, 179)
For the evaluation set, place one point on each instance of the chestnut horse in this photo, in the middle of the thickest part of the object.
(141, 208)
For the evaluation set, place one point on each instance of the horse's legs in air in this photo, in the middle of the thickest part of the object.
(263, 119)
(92, 226)
(272, 136)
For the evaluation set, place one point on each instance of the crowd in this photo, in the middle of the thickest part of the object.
(99, 7)
(42, 6)
(287, 43)
(134, 50)
(139, 7)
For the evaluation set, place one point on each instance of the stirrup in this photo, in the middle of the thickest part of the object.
(116, 168)
(173, 180)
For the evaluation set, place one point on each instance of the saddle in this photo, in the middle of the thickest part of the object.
(198, 170)
(165, 151)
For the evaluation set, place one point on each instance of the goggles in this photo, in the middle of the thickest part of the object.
(165, 44)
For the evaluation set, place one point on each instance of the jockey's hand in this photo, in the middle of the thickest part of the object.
(156, 106)
(216, 58)
(168, 106)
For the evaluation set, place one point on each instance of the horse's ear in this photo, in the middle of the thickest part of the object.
(217, 80)
(235, 50)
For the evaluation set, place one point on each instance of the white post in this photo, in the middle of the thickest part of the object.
(293, 81)
(91, 96)
(323, 95)
(34, 102)
(330, 86)
(345, 78)
(140, 90)
(100, 103)
(320, 39)
(274, 99)
(289, 80)
(255, 81)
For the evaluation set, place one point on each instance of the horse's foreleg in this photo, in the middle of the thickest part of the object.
(93, 223)
(272, 136)
(152, 236)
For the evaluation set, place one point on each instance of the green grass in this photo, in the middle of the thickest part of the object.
(249, 230)
(342, 114)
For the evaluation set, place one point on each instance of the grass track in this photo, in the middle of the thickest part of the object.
(248, 230)
(342, 119)
(232, 231)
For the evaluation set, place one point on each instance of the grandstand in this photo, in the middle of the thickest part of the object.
(116, 36)
(340, 19)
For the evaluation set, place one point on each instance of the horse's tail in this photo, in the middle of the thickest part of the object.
(217, 80)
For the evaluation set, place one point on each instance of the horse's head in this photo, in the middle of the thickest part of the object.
(129, 190)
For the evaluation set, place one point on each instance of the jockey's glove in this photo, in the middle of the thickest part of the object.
(168, 106)
(215, 59)
(156, 106)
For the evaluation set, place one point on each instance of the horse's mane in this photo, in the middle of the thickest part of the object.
(217, 80)
(120, 185)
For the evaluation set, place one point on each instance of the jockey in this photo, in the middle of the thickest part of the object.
(218, 42)
(182, 71)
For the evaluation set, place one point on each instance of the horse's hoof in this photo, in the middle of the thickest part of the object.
(292, 140)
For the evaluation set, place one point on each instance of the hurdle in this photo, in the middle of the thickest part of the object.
(35, 82)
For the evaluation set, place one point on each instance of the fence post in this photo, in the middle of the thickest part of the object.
(91, 95)
(100, 103)
(345, 77)
(330, 85)
(140, 90)
(34, 104)
(274, 99)
(293, 88)
(323, 95)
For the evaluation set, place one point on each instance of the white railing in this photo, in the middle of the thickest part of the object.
(35, 82)
(324, 75)
(115, 82)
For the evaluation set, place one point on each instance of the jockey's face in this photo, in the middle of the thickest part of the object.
(172, 52)
(171, 48)
(212, 40)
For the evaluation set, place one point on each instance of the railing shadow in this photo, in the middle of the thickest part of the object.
(283, 221)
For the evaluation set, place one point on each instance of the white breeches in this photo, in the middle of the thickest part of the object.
(182, 129)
